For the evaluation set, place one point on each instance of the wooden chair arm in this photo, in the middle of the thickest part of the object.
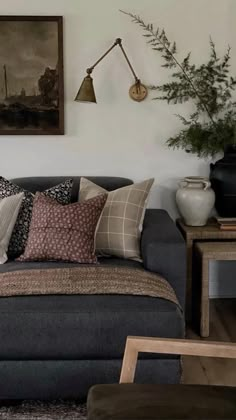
(134, 345)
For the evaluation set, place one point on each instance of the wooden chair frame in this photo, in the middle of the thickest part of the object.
(134, 345)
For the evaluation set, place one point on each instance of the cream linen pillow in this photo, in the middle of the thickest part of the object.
(9, 209)
(120, 226)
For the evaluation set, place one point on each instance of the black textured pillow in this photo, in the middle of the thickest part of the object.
(61, 193)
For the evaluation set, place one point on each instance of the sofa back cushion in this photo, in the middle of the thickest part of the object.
(35, 184)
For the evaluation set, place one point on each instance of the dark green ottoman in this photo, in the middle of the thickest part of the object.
(166, 402)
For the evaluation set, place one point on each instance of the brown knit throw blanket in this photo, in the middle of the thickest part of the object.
(84, 280)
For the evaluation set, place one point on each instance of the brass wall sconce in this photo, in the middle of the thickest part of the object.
(137, 92)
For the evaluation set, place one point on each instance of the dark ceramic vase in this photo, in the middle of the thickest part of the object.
(223, 181)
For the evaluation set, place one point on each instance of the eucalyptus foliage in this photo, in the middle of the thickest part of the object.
(210, 86)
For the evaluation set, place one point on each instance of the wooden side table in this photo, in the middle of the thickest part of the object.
(210, 232)
(206, 251)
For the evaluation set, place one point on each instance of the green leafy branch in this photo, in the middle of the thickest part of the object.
(209, 85)
(159, 42)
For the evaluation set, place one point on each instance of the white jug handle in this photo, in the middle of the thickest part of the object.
(206, 184)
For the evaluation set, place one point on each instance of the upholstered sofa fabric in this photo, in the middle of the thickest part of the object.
(9, 209)
(81, 327)
(48, 343)
(62, 193)
(64, 233)
(119, 228)
(42, 183)
(56, 379)
(164, 250)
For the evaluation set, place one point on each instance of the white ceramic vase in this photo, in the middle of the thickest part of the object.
(195, 200)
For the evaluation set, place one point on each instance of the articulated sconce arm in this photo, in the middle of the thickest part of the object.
(138, 91)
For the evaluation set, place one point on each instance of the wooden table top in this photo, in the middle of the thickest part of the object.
(210, 231)
(220, 251)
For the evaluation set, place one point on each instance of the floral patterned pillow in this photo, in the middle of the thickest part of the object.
(63, 233)
(61, 193)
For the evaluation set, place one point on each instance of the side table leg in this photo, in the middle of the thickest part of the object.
(204, 328)
(196, 290)
(188, 302)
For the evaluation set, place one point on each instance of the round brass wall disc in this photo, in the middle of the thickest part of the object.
(138, 92)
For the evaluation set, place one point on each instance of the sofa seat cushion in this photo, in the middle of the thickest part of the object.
(72, 327)
(169, 402)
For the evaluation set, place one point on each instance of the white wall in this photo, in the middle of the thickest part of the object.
(118, 136)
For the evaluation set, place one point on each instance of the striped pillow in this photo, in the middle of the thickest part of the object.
(9, 209)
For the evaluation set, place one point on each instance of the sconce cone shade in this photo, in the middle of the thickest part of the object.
(86, 91)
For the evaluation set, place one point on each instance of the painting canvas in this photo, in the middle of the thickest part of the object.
(31, 75)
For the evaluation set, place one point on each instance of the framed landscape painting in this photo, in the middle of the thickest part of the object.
(31, 75)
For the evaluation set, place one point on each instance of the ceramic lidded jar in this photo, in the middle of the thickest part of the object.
(195, 200)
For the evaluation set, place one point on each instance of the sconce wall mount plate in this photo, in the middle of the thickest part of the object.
(138, 92)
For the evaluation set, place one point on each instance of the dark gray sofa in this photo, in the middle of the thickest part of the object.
(58, 346)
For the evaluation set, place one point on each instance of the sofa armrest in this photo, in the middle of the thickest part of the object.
(163, 250)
